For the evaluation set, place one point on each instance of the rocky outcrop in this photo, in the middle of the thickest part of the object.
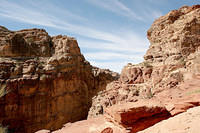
(135, 74)
(172, 58)
(145, 112)
(131, 86)
(137, 116)
(25, 43)
(187, 122)
(169, 73)
(46, 80)
(174, 37)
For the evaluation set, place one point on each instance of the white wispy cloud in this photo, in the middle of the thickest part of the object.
(115, 66)
(156, 14)
(117, 7)
(17, 12)
(36, 17)
(34, 14)
(151, 14)
(114, 57)
(130, 46)
(158, 2)
(107, 56)
(144, 13)
(50, 8)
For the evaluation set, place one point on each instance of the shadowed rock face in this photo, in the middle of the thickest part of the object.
(48, 80)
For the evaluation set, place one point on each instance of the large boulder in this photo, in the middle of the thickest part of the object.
(137, 116)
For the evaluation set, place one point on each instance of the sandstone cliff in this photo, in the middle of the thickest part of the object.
(45, 81)
(172, 58)
(165, 84)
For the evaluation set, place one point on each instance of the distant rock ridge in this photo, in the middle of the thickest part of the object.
(46, 80)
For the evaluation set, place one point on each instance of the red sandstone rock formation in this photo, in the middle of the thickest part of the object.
(48, 80)
(164, 85)
(172, 58)
(168, 75)
(137, 116)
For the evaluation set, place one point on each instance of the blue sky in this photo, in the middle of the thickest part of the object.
(110, 33)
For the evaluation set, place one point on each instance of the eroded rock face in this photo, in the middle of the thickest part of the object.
(48, 80)
(135, 74)
(25, 43)
(137, 116)
(174, 36)
(171, 59)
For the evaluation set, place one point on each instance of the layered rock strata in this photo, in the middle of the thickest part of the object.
(172, 58)
(45, 81)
